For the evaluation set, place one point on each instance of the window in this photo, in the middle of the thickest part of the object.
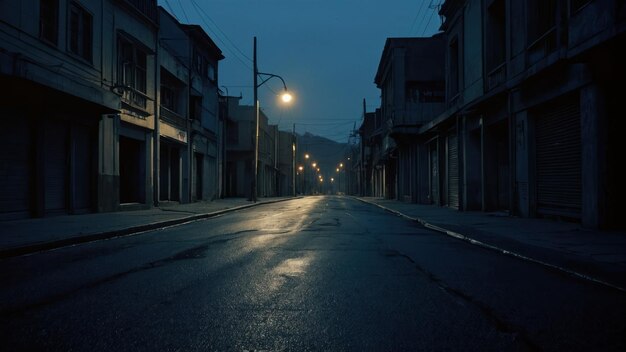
(454, 67)
(49, 20)
(541, 18)
(199, 63)
(80, 32)
(131, 71)
(496, 34)
(212, 73)
(195, 111)
(576, 5)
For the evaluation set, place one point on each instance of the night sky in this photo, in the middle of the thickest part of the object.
(326, 50)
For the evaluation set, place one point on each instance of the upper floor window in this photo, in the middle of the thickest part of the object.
(576, 5)
(49, 20)
(453, 78)
(131, 71)
(172, 92)
(212, 73)
(541, 29)
(199, 63)
(195, 108)
(541, 18)
(496, 34)
(80, 32)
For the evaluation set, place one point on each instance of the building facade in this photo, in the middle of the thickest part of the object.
(530, 127)
(80, 117)
(97, 90)
(411, 79)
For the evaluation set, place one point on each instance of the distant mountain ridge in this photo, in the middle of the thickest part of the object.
(325, 152)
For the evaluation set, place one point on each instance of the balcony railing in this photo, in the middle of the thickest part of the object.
(147, 7)
(135, 98)
(172, 117)
(497, 76)
(541, 47)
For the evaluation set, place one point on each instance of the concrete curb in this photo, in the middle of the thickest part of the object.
(129, 231)
(475, 242)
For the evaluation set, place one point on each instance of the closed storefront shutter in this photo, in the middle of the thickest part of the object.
(453, 171)
(434, 173)
(558, 159)
(15, 168)
(83, 168)
(56, 168)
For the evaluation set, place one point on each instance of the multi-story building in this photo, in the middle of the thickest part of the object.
(106, 109)
(240, 152)
(528, 92)
(189, 147)
(411, 79)
(286, 145)
(79, 117)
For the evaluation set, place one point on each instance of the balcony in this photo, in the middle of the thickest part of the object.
(497, 76)
(543, 46)
(172, 118)
(147, 8)
(134, 98)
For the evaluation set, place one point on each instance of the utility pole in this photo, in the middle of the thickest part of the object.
(293, 159)
(256, 112)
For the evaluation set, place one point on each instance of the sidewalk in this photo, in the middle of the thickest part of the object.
(593, 255)
(31, 235)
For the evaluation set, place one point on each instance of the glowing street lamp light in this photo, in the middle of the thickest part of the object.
(314, 165)
(286, 97)
(306, 156)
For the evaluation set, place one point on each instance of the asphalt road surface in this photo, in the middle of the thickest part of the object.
(318, 273)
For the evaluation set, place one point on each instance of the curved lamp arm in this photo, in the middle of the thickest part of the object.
(270, 76)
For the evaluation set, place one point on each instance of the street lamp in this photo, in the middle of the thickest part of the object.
(286, 97)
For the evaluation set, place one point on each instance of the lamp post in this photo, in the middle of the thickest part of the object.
(286, 97)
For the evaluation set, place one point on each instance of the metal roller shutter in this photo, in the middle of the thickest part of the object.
(434, 173)
(83, 175)
(558, 159)
(56, 168)
(453, 171)
(15, 168)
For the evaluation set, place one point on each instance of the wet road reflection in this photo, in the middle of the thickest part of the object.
(323, 273)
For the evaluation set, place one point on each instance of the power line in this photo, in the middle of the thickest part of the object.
(424, 14)
(169, 6)
(419, 11)
(193, 2)
(208, 27)
(427, 23)
(184, 13)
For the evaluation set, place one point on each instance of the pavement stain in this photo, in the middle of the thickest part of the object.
(196, 252)
(519, 333)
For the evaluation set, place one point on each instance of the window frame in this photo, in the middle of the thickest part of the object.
(138, 82)
(84, 35)
(44, 32)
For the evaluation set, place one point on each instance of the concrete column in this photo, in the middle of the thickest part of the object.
(593, 114)
(522, 162)
(108, 163)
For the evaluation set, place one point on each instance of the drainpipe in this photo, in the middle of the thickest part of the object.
(189, 132)
(156, 157)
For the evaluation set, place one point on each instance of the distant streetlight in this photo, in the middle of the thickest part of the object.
(314, 165)
(286, 97)
(340, 164)
(306, 156)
